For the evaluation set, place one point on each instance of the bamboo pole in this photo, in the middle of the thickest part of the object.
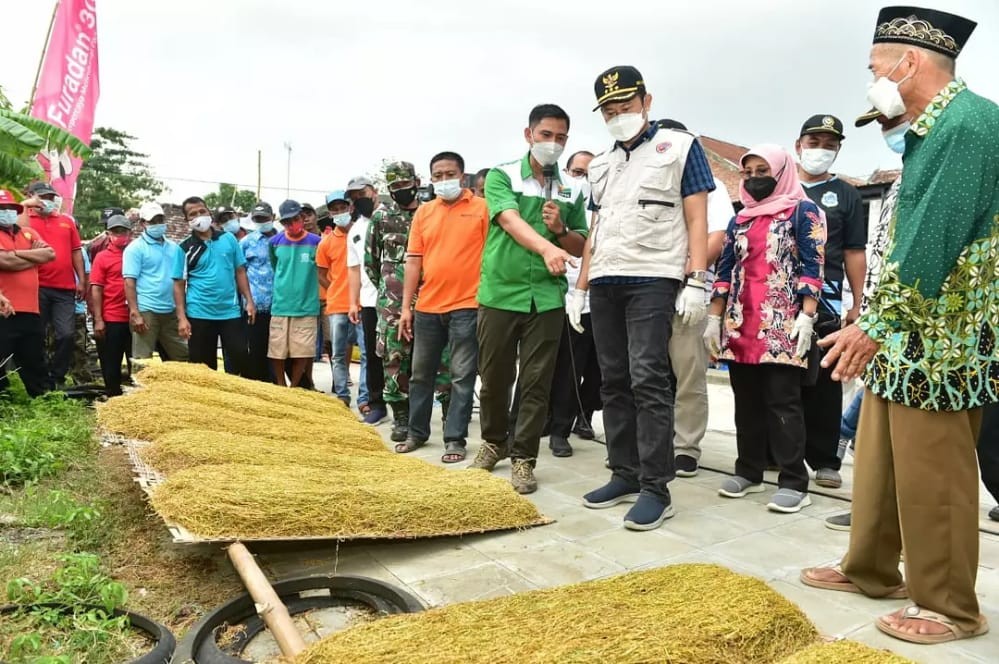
(269, 606)
(41, 60)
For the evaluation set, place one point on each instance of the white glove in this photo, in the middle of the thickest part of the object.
(712, 335)
(802, 331)
(690, 305)
(574, 308)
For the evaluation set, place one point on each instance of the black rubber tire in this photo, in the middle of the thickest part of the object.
(162, 652)
(202, 648)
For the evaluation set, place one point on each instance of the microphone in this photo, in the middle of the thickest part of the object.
(548, 172)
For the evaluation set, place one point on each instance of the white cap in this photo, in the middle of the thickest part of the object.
(150, 210)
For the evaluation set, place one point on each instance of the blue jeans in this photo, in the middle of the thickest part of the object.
(345, 334)
(431, 335)
(848, 425)
(632, 325)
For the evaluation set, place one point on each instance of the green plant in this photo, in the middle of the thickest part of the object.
(58, 509)
(22, 137)
(78, 613)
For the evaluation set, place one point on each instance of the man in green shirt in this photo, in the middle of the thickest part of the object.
(928, 341)
(296, 296)
(537, 225)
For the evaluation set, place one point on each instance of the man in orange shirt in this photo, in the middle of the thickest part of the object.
(61, 282)
(445, 249)
(22, 250)
(331, 263)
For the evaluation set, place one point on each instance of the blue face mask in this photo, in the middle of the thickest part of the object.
(895, 137)
(265, 227)
(156, 231)
(231, 226)
(342, 220)
(8, 218)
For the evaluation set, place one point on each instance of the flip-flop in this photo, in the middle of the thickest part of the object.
(408, 446)
(845, 586)
(915, 612)
(454, 452)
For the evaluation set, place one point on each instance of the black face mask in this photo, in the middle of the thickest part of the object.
(404, 197)
(760, 187)
(363, 207)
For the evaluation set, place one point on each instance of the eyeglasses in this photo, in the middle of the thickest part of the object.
(577, 173)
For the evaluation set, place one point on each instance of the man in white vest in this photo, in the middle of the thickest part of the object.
(646, 255)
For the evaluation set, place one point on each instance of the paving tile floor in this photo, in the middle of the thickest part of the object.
(583, 544)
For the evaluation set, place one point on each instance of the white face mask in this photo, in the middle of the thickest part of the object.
(201, 224)
(816, 161)
(449, 189)
(546, 154)
(883, 94)
(342, 220)
(895, 137)
(626, 126)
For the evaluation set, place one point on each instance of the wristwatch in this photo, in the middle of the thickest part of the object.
(698, 275)
(565, 231)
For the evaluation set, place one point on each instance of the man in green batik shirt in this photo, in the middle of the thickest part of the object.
(385, 265)
(928, 341)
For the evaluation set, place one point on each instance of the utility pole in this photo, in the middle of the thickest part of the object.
(287, 146)
(259, 158)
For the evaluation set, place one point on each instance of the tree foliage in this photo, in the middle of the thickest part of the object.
(114, 176)
(228, 196)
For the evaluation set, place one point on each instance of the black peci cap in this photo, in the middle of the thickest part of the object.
(867, 118)
(823, 124)
(934, 30)
(618, 84)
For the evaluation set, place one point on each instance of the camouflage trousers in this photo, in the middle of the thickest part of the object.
(397, 359)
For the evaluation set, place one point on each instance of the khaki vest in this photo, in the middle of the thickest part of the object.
(640, 229)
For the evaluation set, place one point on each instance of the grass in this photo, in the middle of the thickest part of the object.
(72, 496)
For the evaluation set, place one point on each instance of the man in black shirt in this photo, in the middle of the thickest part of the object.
(817, 146)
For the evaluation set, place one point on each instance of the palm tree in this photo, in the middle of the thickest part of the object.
(22, 137)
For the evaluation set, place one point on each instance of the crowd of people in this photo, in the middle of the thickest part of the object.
(607, 285)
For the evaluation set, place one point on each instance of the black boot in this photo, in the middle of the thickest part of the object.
(583, 428)
(400, 421)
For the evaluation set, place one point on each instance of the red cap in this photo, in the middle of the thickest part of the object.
(6, 198)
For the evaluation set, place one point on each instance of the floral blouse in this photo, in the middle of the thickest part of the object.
(769, 263)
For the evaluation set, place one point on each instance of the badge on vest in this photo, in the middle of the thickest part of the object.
(662, 147)
(830, 199)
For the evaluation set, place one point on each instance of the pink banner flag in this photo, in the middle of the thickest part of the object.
(68, 89)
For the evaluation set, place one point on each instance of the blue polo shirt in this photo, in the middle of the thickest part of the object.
(150, 262)
(211, 284)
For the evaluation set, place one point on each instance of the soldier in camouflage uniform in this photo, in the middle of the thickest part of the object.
(385, 264)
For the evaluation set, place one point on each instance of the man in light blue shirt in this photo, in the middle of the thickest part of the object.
(147, 266)
(207, 273)
(260, 273)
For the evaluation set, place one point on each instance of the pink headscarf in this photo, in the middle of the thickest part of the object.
(788, 192)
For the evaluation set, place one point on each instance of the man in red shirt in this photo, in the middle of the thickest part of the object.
(22, 250)
(61, 282)
(107, 288)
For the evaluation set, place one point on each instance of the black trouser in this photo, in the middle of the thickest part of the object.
(632, 325)
(823, 409)
(576, 384)
(376, 372)
(57, 308)
(204, 342)
(988, 450)
(112, 350)
(500, 334)
(22, 345)
(257, 365)
(768, 411)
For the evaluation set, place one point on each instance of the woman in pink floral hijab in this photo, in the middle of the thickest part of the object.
(769, 281)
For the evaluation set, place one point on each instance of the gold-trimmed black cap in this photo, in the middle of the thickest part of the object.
(937, 31)
(823, 124)
(867, 118)
(618, 84)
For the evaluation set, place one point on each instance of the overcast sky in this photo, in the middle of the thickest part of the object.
(204, 84)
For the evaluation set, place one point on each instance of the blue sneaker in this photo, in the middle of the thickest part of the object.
(648, 513)
(611, 494)
(376, 415)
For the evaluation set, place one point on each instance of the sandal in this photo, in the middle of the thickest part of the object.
(454, 452)
(363, 408)
(846, 586)
(409, 445)
(915, 612)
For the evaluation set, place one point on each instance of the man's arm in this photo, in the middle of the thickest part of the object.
(39, 254)
(410, 282)
(97, 299)
(354, 289)
(716, 242)
(81, 273)
(372, 257)
(695, 212)
(244, 289)
(11, 261)
(132, 298)
(856, 269)
(583, 282)
(324, 276)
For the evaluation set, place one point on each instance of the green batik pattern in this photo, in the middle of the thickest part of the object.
(397, 362)
(922, 125)
(947, 357)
